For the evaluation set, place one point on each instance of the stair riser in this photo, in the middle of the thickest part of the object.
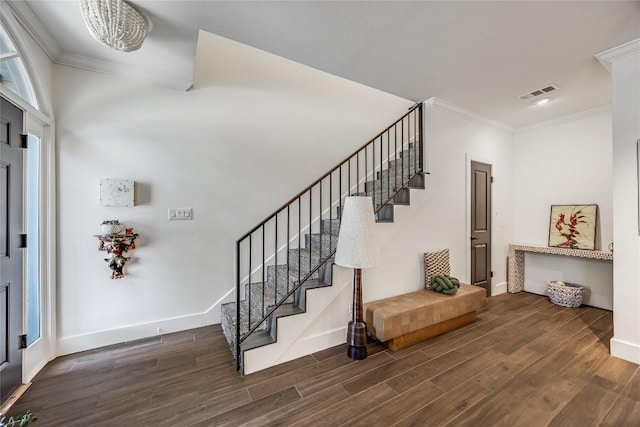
(229, 328)
(378, 197)
(326, 242)
(256, 314)
(407, 157)
(385, 184)
(331, 226)
(383, 187)
(411, 155)
(397, 171)
(303, 257)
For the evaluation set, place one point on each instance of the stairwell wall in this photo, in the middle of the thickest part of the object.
(439, 217)
(255, 130)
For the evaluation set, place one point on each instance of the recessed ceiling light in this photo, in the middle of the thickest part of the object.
(541, 101)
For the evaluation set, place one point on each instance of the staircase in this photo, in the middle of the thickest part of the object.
(291, 251)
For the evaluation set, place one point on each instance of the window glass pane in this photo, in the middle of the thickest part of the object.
(14, 77)
(5, 44)
(33, 239)
(13, 74)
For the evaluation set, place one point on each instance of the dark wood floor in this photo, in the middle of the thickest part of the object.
(525, 362)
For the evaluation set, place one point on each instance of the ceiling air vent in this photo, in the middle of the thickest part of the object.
(540, 92)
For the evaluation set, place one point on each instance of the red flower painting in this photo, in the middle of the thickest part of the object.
(573, 226)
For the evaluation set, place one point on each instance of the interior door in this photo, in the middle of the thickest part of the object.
(10, 253)
(481, 225)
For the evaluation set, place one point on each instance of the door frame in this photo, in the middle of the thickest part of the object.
(467, 243)
(38, 354)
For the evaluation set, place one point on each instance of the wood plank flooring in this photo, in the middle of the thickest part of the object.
(524, 362)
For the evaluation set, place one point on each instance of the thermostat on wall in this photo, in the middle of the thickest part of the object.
(116, 192)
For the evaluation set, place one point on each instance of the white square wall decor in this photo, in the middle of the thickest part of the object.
(116, 192)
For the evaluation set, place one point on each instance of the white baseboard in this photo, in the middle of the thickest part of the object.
(500, 288)
(625, 350)
(600, 301)
(591, 299)
(28, 376)
(91, 340)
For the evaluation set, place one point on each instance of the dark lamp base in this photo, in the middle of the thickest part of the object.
(357, 353)
(357, 340)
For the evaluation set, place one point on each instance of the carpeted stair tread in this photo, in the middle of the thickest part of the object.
(314, 284)
(266, 291)
(257, 339)
(287, 310)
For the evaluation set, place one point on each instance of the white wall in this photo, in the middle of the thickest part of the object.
(625, 70)
(254, 131)
(438, 217)
(565, 161)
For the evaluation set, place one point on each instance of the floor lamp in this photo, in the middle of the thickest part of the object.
(357, 248)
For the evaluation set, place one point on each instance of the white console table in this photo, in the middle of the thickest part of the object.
(515, 273)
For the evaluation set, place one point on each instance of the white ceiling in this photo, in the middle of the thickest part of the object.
(480, 55)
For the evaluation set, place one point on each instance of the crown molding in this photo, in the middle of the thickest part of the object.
(605, 109)
(110, 68)
(619, 52)
(28, 20)
(438, 102)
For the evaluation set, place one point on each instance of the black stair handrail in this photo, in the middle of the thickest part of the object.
(409, 126)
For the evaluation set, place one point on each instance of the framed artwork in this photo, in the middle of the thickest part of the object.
(573, 226)
(116, 192)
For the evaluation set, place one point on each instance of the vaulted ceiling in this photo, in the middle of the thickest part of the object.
(479, 55)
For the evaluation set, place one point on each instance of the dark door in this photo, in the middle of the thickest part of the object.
(10, 252)
(481, 225)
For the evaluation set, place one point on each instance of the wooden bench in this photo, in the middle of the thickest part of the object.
(407, 319)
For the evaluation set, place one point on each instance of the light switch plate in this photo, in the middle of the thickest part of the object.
(180, 214)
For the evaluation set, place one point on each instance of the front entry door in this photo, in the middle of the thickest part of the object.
(10, 252)
(481, 225)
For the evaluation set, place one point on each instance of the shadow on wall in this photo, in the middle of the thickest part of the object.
(142, 193)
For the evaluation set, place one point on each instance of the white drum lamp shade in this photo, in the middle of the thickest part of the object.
(357, 240)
